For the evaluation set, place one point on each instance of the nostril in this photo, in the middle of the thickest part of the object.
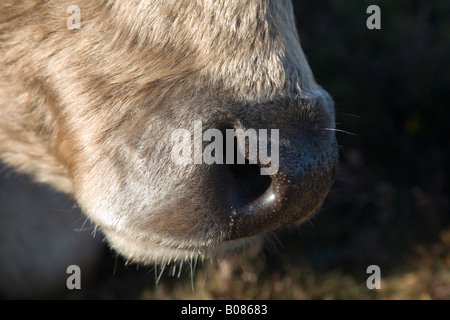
(251, 185)
(248, 185)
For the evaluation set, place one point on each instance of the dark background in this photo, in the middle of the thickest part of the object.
(390, 204)
(391, 88)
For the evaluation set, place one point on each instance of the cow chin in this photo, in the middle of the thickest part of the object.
(150, 251)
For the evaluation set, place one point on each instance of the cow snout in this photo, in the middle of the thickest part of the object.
(292, 173)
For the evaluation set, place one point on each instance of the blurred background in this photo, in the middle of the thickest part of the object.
(390, 204)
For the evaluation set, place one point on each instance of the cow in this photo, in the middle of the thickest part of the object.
(89, 110)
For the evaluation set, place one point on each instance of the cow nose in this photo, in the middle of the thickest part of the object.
(259, 196)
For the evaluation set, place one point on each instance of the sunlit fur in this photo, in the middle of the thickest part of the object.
(90, 111)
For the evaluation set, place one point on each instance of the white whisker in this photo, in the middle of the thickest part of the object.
(339, 130)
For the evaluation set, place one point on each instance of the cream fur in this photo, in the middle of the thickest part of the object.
(90, 111)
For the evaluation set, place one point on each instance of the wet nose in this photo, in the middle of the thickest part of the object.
(299, 140)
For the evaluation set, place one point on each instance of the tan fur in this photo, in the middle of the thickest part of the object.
(90, 111)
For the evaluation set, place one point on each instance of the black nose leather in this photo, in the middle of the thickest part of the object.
(308, 157)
